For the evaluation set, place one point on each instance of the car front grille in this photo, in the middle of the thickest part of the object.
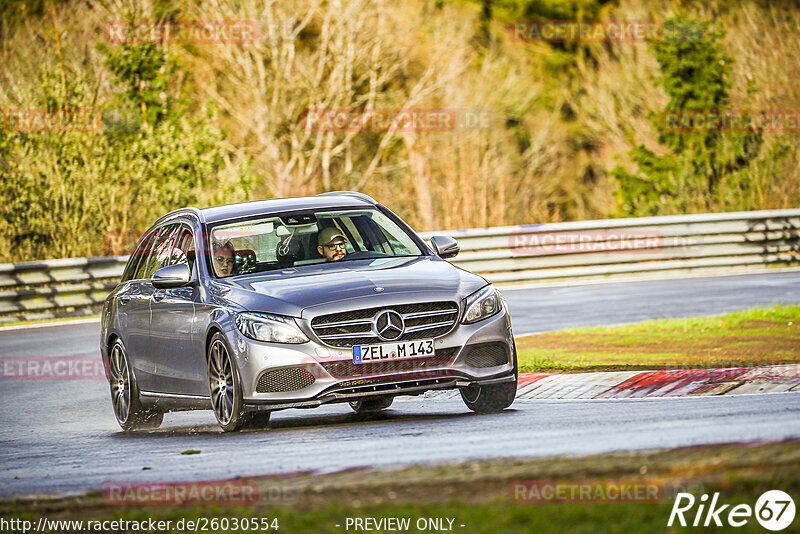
(484, 355)
(286, 379)
(348, 369)
(422, 321)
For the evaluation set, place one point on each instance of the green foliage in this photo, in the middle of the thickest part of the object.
(548, 9)
(149, 157)
(560, 112)
(14, 11)
(696, 76)
(143, 72)
(563, 54)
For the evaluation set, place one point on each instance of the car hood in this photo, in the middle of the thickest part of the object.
(358, 283)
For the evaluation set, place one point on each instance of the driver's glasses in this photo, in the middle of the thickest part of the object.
(224, 260)
(334, 246)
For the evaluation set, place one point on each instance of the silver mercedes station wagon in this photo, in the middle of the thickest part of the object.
(292, 303)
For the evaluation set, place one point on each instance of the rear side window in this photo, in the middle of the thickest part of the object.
(133, 261)
(162, 251)
(139, 258)
(182, 249)
(153, 245)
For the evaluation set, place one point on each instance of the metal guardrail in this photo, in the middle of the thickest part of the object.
(57, 288)
(644, 246)
(525, 254)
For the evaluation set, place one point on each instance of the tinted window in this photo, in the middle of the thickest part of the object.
(133, 261)
(142, 253)
(183, 248)
(162, 251)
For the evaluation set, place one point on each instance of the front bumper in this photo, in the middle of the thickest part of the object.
(337, 379)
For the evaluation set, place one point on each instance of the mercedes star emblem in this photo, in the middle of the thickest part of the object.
(389, 325)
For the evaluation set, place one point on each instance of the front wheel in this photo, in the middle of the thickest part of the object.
(492, 398)
(128, 410)
(224, 387)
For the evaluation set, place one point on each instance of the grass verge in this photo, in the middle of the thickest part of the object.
(758, 336)
(481, 495)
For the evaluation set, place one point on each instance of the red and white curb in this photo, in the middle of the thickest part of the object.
(673, 383)
(640, 384)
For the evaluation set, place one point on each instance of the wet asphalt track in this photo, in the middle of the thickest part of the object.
(60, 436)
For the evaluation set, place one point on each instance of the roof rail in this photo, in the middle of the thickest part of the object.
(362, 196)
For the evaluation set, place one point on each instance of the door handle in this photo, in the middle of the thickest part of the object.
(124, 299)
(158, 295)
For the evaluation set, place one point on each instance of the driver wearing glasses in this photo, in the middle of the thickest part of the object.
(332, 244)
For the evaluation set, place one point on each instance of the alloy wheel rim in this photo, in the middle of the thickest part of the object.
(220, 382)
(120, 384)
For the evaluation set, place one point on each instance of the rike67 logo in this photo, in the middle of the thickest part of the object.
(774, 510)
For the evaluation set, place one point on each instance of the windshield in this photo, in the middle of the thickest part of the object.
(283, 241)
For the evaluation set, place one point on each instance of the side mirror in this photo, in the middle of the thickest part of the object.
(445, 246)
(172, 276)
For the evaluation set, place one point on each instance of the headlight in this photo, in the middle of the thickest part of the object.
(482, 304)
(268, 327)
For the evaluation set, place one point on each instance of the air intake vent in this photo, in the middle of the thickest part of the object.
(287, 379)
(486, 355)
(421, 321)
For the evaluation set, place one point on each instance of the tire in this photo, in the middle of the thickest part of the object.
(128, 409)
(371, 405)
(488, 399)
(224, 387)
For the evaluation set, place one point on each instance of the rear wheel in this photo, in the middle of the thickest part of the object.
(128, 409)
(371, 405)
(487, 399)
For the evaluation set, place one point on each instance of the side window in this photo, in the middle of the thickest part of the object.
(160, 255)
(183, 248)
(163, 251)
(133, 261)
(367, 233)
(144, 250)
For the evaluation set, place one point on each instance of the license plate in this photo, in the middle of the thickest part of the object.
(393, 351)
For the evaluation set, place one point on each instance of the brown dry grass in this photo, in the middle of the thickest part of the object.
(534, 162)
